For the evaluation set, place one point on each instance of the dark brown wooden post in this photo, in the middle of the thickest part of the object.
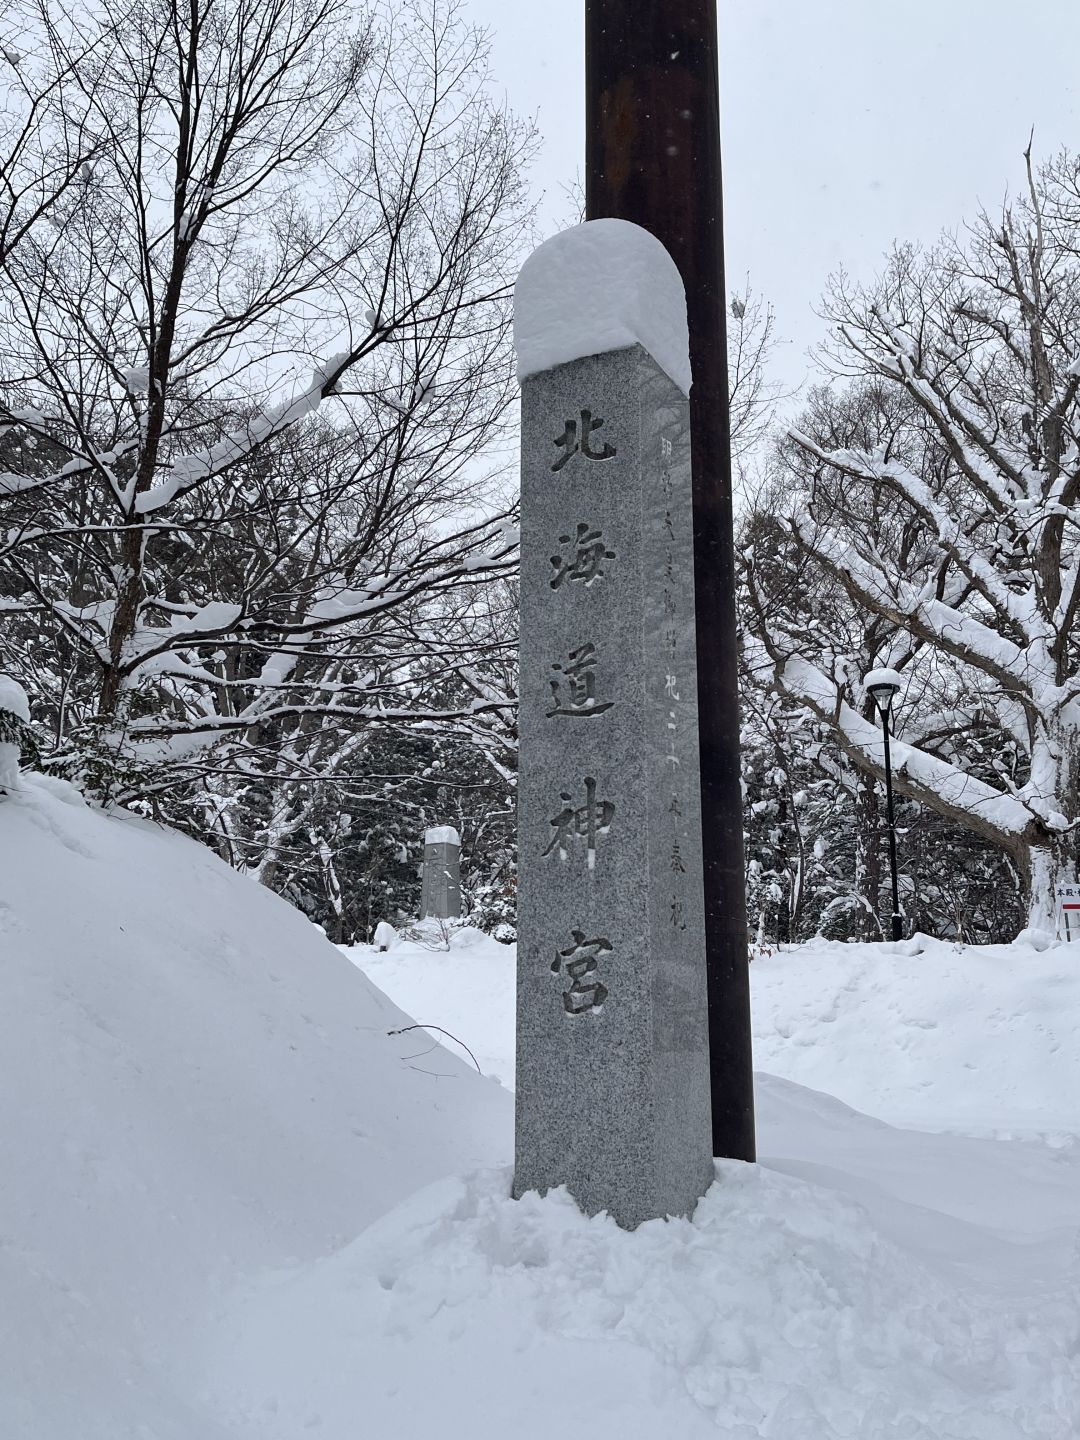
(652, 155)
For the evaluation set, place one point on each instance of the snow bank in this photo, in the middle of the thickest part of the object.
(199, 1088)
(601, 286)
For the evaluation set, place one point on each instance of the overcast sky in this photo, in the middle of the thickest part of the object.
(847, 124)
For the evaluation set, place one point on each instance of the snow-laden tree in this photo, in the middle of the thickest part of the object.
(815, 830)
(939, 494)
(252, 354)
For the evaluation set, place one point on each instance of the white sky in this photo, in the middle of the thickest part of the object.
(847, 124)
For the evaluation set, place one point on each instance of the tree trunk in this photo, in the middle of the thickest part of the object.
(1043, 868)
(1050, 860)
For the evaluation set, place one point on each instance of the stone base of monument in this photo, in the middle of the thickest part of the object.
(613, 1093)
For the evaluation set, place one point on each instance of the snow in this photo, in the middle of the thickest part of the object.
(385, 937)
(235, 1206)
(799, 1303)
(200, 1089)
(12, 484)
(189, 470)
(977, 1040)
(13, 698)
(883, 675)
(13, 701)
(981, 1040)
(10, 780)
(601, 286)
(136, 379)
(215, 615)
(441, 835)
(1010, 813)
(467, 990)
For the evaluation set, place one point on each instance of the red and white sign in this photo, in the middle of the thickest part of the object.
(1068, 900)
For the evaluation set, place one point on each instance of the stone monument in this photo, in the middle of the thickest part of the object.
(440, 891)
(613, 1096)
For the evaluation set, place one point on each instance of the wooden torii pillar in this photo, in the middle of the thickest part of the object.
(652, 156)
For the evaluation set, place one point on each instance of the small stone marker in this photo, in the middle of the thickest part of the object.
(440, 892)
(613, 1093)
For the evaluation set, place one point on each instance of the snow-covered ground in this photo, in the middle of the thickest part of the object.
(860, 1281)
(463, 983)
(982, 1040)
(233, 1205)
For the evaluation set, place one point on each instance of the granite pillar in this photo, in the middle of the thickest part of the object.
(613, 1062)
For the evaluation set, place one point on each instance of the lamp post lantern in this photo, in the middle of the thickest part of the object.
(882, 685)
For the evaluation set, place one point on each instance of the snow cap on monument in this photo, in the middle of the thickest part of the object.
(601, 286)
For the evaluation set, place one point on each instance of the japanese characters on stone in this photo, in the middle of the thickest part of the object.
(572, 441)
(671, 658)
(581, 819)
(574, 691)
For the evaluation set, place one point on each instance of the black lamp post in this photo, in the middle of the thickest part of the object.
(883, 685)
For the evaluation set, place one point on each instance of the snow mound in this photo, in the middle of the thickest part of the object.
(601, 286)
(780, 1311)
(199, 1088)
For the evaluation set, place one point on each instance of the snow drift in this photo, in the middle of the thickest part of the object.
(981, 1040)
(197, 1088)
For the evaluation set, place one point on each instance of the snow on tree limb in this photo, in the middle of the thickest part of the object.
(190, 470)
(916, 773)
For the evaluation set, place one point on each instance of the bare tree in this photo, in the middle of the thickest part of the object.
(48, 144)
(752, 394)
(254, 341)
